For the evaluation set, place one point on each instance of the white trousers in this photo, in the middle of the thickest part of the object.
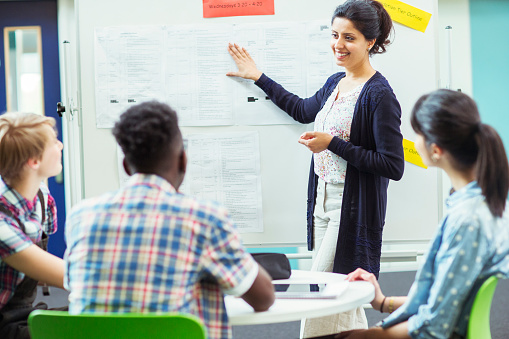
(326, 217)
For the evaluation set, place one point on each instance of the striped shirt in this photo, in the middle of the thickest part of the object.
(147, 248)
(12, 238)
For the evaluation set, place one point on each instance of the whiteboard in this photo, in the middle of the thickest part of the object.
(410, 65)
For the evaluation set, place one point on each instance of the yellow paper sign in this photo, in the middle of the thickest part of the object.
(407, 15)
(411, 154)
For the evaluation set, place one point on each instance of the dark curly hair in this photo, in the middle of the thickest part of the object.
(148, 133)
(370, 18)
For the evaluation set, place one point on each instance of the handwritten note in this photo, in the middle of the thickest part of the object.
(407, 15)
(222, 8)
(411, 154)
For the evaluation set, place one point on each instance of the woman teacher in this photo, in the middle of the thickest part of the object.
(356, 145)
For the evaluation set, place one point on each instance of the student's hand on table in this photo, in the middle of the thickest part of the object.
(362, 275)
(315, 141)
(245, 64)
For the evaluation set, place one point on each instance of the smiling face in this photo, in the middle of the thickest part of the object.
(350, 47)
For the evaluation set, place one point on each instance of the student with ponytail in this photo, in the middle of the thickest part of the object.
(472, 241)
(356, 145)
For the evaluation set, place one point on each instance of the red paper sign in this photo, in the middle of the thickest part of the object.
(221, 8)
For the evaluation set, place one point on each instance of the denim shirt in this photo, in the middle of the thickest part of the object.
(470, 246)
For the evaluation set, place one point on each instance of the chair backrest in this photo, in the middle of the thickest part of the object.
(57, 324)
(479, 322)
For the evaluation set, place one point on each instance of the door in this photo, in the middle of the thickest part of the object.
(41, 15)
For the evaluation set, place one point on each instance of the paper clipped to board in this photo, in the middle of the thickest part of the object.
(222, 8)
(407, 15)
(411, 154)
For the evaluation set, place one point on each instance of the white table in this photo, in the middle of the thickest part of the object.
(283, 310)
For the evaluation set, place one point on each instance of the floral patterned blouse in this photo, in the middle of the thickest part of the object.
(335, 118)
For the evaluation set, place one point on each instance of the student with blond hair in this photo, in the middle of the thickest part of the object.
(30, 153)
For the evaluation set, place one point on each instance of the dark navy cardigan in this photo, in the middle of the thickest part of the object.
(374, 155)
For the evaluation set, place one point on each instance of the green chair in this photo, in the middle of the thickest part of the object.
(479, 322)
(58, 325)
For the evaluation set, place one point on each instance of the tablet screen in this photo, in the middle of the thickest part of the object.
(298, 287)
(299, 291)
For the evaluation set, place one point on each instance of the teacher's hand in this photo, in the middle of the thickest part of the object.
(315, 141)
(245, 64)
(362, 275)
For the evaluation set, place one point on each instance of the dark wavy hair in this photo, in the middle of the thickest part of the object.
(451, 120)
(370, 18)
(148, 133)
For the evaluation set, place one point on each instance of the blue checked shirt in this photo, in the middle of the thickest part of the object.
(146, 248)
(469, 247)
(12, 238)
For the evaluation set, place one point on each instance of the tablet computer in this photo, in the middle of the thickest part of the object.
(309, 291)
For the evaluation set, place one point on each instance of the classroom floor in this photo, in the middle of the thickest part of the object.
(396, 283)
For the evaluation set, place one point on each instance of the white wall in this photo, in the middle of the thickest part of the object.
(455, 13)
(71, 126)
(450, 12)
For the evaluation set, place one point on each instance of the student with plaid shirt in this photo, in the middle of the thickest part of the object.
(30, 153)
(147, 247)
